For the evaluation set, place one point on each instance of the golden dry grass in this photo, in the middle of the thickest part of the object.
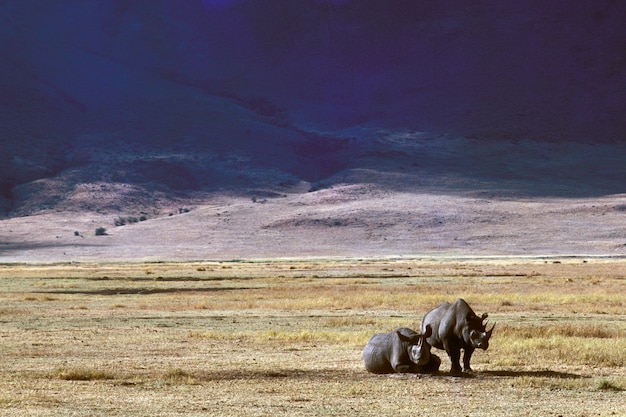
(285, 337)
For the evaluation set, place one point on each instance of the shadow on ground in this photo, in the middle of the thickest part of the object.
(140, 291)
(334, 374)
(536, 374)
(26, 246)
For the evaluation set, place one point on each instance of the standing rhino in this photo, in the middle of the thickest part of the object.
(454, 327)
(402, 351)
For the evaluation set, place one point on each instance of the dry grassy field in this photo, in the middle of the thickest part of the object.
(284, 337)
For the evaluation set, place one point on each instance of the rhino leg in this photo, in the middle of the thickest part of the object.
(454, 352)
(403, 369)
(467, 355)
(432, 366)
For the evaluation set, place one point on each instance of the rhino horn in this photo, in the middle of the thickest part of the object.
(490, 330)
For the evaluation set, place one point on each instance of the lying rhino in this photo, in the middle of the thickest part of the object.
(454, 327)
(402, 351)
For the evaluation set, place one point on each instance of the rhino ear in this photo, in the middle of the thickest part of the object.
(428, 331)
(403, 337)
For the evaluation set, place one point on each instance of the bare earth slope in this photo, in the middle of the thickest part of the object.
(390, 200)
(347, 221)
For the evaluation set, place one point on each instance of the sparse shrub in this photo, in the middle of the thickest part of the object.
(76, 233)
(101, 231)
(605, 385)
(179, 377)
(82, 374)
(121, 221)
(142, 218)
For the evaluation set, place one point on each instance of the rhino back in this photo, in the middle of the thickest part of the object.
(439, 321)
(448, 321)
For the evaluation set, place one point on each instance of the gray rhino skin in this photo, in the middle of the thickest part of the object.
(402, 350)
(454, 327)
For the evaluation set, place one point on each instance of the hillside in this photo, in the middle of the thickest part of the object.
(509, 201)
(241, 129)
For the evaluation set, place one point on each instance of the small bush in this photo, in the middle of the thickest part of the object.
(121, 221)
(101, 231)
(605, 385)
(179, 377)
(82, 374)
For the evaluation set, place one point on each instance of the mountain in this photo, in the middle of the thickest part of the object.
(114, 109)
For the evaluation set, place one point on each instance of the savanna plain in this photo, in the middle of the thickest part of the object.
(284, 337)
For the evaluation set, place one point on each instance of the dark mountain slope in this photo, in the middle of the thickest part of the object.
(173, 100)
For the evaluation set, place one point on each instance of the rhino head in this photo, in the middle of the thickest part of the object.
(418, 348)
(479, 335)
